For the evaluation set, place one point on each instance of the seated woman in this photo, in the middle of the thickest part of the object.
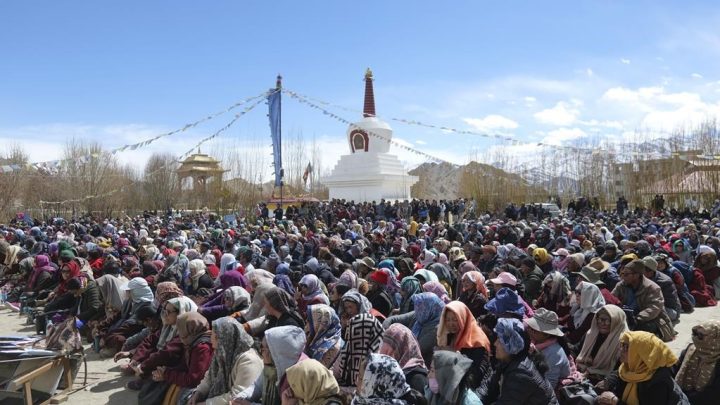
(60, 299)
(201, 283)
(518, 377)
(588, 301)
(310, 292)
(280, 348)
(448, 380)
(438, 289)
(164, 347)
(281, 309)
(645, 375)
(556, 295)
(323, 332)
(235, 364)
(194, 332)
(381, 381)
(138, 295)
(88, 306)
(474, 293)
(364, 335)
(215, 307)
(399, 343)
(600, 351)
(311, 383)
(113, 298)
(428, 310)
(42, 279)
(353, 303)
(408, 288)
(698, 371)
(459, 331)
(549, 340)
(378, 294)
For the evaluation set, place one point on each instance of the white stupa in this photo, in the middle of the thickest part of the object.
(369, 172)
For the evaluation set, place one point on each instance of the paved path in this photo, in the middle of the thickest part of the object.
(106, 386)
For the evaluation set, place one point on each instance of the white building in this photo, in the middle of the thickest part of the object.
(369, 172)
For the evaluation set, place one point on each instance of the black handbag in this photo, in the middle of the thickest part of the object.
(580, 393)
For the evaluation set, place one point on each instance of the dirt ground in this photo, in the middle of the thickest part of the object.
(106, 386)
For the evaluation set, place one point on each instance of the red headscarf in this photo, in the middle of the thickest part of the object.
(74, 269)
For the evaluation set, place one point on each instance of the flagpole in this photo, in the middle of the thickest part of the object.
(278, 87)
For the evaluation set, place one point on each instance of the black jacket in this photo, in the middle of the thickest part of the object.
(89, 306)
(522, 384)
(381, 301)
(661, 389)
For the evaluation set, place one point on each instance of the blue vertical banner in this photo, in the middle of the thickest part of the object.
(276, 133)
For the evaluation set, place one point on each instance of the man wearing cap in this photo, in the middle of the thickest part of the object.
(364, 266)
(672, 302)
(544, 332)
(643, 302)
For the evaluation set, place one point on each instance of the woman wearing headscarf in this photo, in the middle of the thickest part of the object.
(284, 282)
(474, 293)
(42, 279)
(428, 310)
(600, 352)
(448, 380)
(194, 332)
(409, 287)
(164, 347)
(234, 367)
(444, 275)
(310, 293)
(698, 370)
(556, 294)
(517, 378)
(588, 301)
(645, 375)
(281, 348)
(383, 382)
(215, 307)
(459, 331)
(705, 271)
(362, 337)
(353, 303)
(200, 282)
(113, 298)
(399, 343)
(138, 295)
(438, 289)
(280, 310)
(257, 305)
(425, 275)
(311, 383)
(543, 260)
(324, 334)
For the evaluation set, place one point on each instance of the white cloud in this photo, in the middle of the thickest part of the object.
(625, 61)
(589, 72)
(529, 99)
(558, 136)
(420, 142)
(402, 142)
(561, 115)
(491, 122)
(696, 76)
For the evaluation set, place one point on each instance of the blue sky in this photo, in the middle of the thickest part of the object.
(556, 72)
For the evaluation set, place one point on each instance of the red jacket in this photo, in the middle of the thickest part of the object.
(190, 372)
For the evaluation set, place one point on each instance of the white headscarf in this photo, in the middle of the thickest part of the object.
(591, 300)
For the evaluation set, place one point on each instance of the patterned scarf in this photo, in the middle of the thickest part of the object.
(400, 344)
(233, 341)
(325, 331)
(701, 358)
(410, 286)
(428, 309)
(383, 382)
(362, 337)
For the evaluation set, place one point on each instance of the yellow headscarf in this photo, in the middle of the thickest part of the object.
(311, 382)
(541, 256)
(645, 354)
